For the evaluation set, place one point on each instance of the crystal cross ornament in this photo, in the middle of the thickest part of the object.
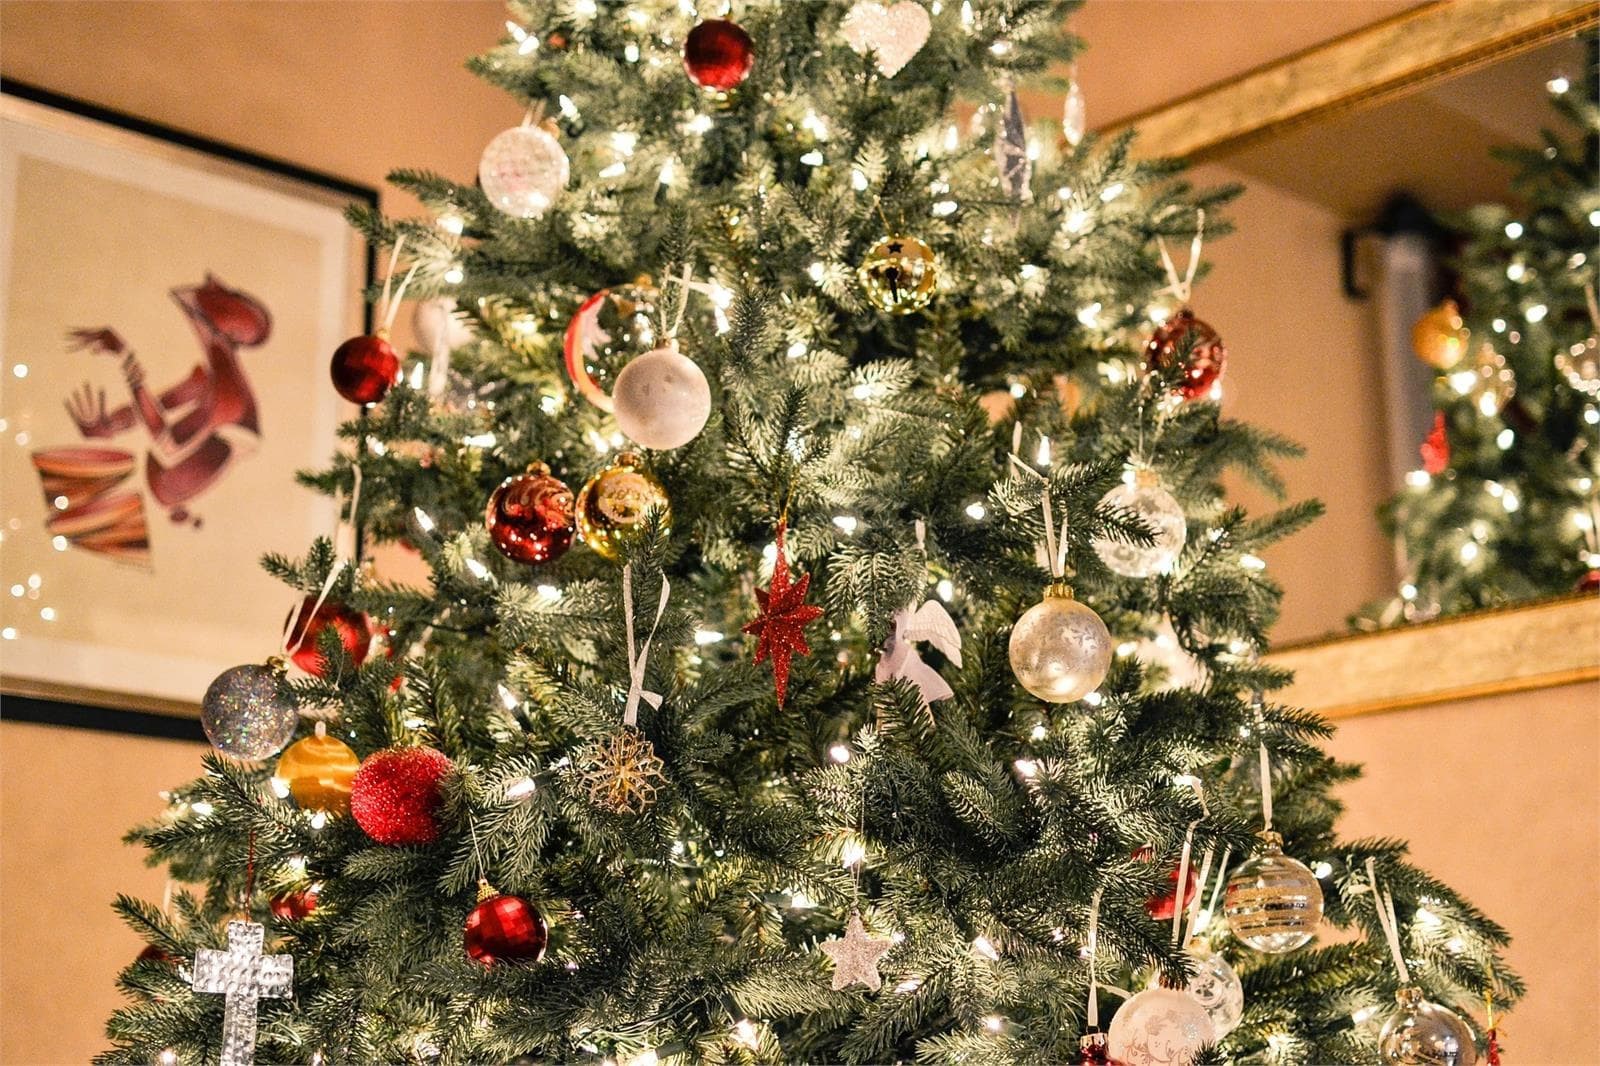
(243, 975)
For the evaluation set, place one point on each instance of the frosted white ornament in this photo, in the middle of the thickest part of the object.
(1158, 510)
(523, 170)
(1421, 1033)
(661, 399)
(1159, 1027)
(438, 326)
(1060, 649)
(893, 34)
(1217, 988)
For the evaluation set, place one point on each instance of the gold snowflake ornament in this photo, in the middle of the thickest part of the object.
(622, 772)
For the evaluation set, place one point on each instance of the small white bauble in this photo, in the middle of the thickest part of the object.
(437, 325)
(1157, 509)
(523, 170)
(1217, 988)
(1159, 1027)
(893, 34)
(661, 399)
(1060, 650)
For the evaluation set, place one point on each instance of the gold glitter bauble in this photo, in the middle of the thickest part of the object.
(613, 504)
(318, 771)
(1439, 338)
(899, 275)
(621, 773)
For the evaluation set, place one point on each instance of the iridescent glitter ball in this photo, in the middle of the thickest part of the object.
(249, 712)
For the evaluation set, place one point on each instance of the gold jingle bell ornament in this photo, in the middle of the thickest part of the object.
(613, 505)
(1060, 649)
(318, 771)
(1439, 337)
(899, 275)
(1273, 903)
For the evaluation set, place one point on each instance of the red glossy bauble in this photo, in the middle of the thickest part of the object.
(1161, 907)
(151, 953)
(365, 368)
(505, 928)
(1589, 582)
(530, 516)
(396, 794)
(718, 54)
(353, 628)
(294, 906)
(1206, 360)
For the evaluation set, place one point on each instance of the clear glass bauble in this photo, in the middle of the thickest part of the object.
(1060, 649)
(1217, 988)
(1421, 1033)
(249, 711)
(1158, 510)
(1162, 651)
(1273, 903)
(523, 170)
(1159, 1027)
(662, 399)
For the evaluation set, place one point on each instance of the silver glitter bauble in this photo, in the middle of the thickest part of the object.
(1157, 509)
(1273, 903)
(523, 170)
(1421, 1033)
(1159, 1027)
(1217, 988)
(1060, 650)
(249, 711)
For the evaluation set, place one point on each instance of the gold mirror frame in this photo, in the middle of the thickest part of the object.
(1378, 62)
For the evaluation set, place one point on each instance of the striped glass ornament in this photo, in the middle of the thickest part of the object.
(1273, 903)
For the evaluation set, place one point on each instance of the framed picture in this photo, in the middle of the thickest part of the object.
(167, 310)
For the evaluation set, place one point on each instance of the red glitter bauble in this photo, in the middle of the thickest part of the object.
(364, 369)
(396, 794)
(530, 517)
(718, 55)
(1207, 356)
(505, 928)
(294, 906)
(1589, 582)
(353, 628)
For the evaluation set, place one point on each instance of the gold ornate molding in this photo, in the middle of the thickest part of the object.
(1383, 60)
(1515, 649)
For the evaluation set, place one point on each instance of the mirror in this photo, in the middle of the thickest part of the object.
(1339, 250)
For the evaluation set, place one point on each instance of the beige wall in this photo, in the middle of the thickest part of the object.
(66, 798)
(1500, 799)
(1302, 362)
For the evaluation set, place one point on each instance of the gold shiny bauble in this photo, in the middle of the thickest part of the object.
(613, 505)
(318, 770)
(899, 275)
(1580, 365)
(1494, 384)
(1421, 1033)
(1273, 903)
(1060, 649)
(1439, 337)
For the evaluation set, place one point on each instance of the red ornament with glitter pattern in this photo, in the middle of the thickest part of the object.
(784, 614)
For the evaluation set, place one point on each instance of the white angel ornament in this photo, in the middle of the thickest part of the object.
(930, 623)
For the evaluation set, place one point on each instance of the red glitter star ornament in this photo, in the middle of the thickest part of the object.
(784, 613)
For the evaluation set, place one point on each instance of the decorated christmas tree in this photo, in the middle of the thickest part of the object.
(1505, 505)
(837, 645)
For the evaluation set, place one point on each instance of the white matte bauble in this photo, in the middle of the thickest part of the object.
(1217, 988)
(1060, 650)
(438, 326)
(1273, 902)
(1421, 1033)
(661, 399)
(1159, 1027)
(523, 170)
(893, 34)
(1157, 509)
